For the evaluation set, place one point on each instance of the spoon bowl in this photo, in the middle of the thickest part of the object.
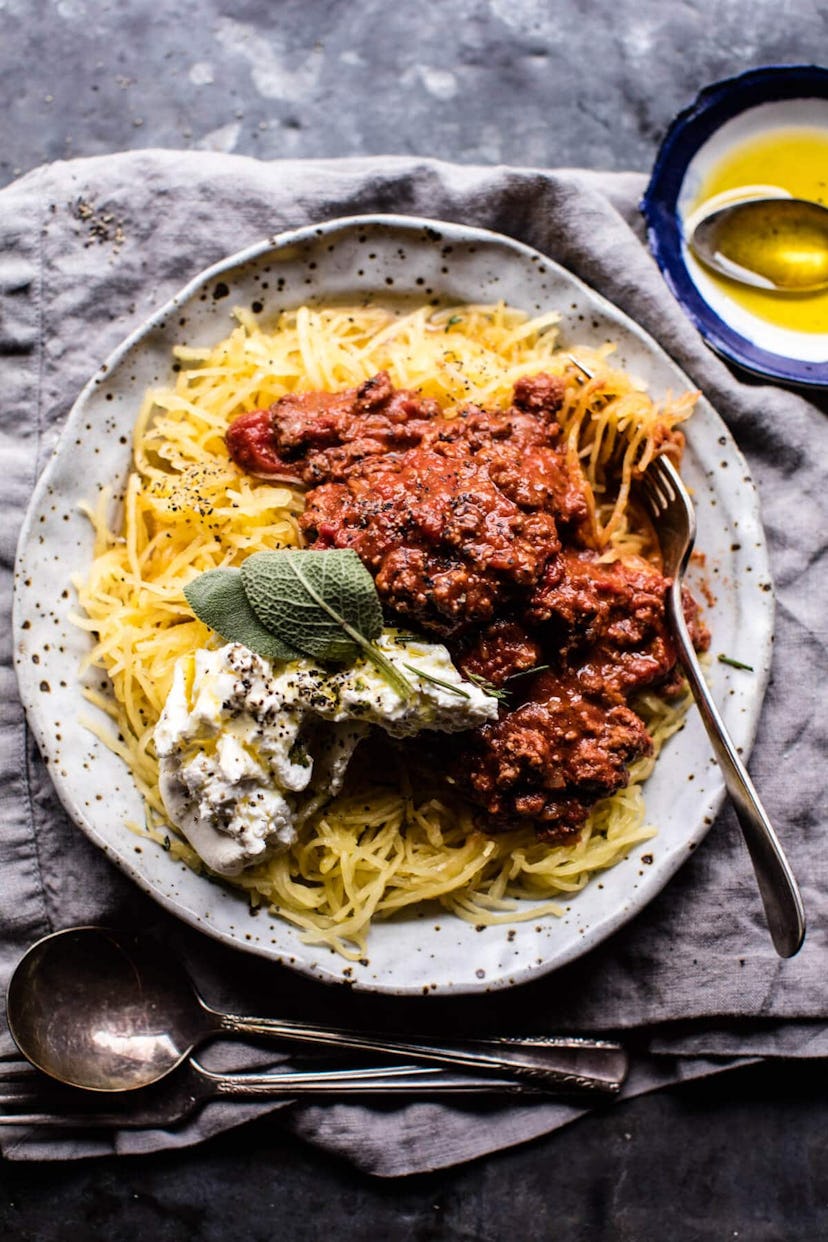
(763, 237)
(98, 1009)
(109, 1011)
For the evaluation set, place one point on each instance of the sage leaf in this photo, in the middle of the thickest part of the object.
(323, 603)
(218, 598)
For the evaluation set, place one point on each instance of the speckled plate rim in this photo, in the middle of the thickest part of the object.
(479, 960)
(691, 129)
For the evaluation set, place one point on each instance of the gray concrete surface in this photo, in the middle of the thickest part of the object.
(567, 82)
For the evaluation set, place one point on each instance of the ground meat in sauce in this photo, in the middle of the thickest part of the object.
(474, 528)
(317, 437)
(550, 758)
(446, 547)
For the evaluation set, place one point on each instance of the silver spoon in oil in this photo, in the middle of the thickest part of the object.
(761, 236)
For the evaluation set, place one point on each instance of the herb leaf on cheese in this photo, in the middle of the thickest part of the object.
(218, 598)
(298, 602)
(322, 602)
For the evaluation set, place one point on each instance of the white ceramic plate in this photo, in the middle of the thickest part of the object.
(375, 258)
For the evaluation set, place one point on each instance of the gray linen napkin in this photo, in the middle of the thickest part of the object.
(87, 250)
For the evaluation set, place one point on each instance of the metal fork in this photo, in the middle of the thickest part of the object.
(675, 523)
(30, 1098)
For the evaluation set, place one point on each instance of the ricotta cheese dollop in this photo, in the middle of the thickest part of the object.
(248, 750)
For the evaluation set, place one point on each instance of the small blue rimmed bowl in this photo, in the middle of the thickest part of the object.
(724, 118)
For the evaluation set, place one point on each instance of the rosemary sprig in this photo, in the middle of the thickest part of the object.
(497, 692)
(725, 659)
(525, 672)
(438, 681)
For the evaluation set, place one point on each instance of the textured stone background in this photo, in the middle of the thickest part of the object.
(547, 82)
(567, 82)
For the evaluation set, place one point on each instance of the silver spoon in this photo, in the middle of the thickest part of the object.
(761, 236)
(109, 1011)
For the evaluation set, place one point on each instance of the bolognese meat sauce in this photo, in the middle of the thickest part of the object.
(475, 529)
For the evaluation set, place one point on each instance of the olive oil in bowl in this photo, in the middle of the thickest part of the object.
(770, 238)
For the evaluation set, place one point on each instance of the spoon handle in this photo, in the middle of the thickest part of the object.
(568, 1063)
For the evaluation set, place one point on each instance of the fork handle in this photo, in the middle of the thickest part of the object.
(563, 1063)
(777, 884)
(404, 1080)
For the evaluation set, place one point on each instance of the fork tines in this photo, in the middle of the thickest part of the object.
(30, 1098)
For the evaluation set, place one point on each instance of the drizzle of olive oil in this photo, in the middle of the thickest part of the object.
(795, 160)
